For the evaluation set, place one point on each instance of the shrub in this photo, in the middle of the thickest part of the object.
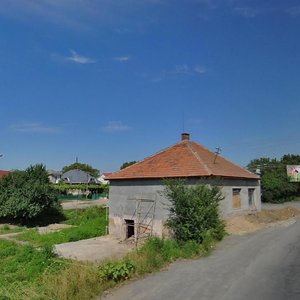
(193, 210)
(116, 271)
(25, 195)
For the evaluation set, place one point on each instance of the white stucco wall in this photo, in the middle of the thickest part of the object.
(121, 207)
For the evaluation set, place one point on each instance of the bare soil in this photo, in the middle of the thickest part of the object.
(265, 218)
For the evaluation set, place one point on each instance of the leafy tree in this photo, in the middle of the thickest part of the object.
(25, 195)
(275, 184)
(83, 167)
(194, 211)
(127, 164)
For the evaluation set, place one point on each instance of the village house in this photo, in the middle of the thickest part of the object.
(136, 200)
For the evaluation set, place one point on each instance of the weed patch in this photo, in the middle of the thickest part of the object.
(90, 222)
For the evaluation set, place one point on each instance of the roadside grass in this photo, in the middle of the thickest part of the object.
(88, 223)
(28, 273)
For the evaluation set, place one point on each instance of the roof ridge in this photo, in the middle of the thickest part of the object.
(190, 146)
(229, 161)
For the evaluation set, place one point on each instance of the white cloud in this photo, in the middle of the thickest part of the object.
(246, 12)
(122, 58)
(115, 126)
(35, 128)
(294, 11)
(79, 58)
(181, 69)
(200, 69)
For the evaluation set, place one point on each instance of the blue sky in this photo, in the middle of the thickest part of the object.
(110, 81)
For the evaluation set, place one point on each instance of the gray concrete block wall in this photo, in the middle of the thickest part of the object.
(121, 206)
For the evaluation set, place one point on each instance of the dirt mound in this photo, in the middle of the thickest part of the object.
(253, 222)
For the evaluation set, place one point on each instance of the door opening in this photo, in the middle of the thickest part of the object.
(129, 228)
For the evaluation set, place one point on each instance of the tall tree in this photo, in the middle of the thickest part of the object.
(275, 184)
(83, 167)
(127, 164)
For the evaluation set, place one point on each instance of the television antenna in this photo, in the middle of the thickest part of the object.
(217, 152)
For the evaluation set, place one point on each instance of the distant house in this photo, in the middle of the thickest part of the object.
(3, 173)
(54, 176)
(136, 192)
(77, 176)
(103, 178)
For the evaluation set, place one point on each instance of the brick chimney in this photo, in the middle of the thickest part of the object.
(185, 136)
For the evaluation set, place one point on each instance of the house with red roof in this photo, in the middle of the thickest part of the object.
(3, 173)
(136, 199)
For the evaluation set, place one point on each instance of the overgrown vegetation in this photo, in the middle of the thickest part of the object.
(27, 273)
(27, 195)
(64, 188)
(194, 211)
(275, 184)
(88, 223)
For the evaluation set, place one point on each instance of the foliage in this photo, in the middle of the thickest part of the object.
(275, 184)
(88, 223)
(193, 211)
(116, 271)
(83, 167)
(127, 164)
(64, 187)
(25, 195)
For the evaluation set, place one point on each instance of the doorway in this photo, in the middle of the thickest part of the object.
(129, 228)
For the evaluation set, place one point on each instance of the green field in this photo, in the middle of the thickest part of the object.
(88, 223)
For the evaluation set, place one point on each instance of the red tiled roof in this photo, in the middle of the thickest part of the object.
(3, 173)
(184, 159)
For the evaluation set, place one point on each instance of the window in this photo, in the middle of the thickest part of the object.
(236, 198)
(251, 197)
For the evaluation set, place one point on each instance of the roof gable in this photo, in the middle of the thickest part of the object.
(184, 159)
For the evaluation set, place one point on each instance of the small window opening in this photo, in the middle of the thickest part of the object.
(251, 197)
(129, 228)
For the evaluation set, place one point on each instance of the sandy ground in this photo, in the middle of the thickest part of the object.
(95, 249)
(81, 204)
(265, 218)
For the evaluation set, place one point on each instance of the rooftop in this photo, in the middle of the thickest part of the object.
(184, 159)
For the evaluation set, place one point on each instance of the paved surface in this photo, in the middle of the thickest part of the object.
(295, 204)
(94, 250)
(261, 266)
(81, 204)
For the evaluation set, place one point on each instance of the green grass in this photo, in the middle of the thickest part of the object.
(27, 273)
(5, 229)
(88, 223)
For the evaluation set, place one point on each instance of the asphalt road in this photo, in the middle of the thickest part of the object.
(260, 266)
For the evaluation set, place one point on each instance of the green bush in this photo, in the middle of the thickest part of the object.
(193, 210)
(275, 184)
(116, 271)
(26, 195)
